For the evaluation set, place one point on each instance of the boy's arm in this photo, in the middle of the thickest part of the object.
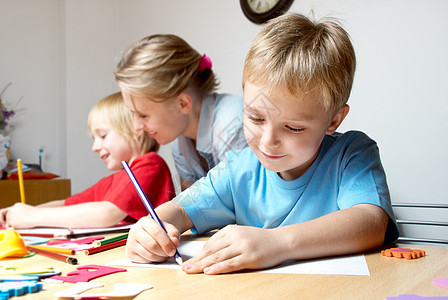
(84, 215)
(353, 230)
(148, 242)
(54, 203)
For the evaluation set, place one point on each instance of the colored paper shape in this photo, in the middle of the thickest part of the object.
(441, 282)
(415, 297)
(83, 241)
(34, 240)
(30, 270)
(87, 272)
(120, 290)
(19, 278)
(403, 253)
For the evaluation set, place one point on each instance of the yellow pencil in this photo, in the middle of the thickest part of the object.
(56, 250)
(22, 188)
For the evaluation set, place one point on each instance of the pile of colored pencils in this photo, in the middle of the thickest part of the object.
(108, 244)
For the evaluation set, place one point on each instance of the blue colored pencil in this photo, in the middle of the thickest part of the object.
(148, 205)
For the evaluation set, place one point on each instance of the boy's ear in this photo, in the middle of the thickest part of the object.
(337, 119)
(185, 102)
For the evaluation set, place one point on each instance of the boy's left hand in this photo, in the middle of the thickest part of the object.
(19, 216)
(235, 248)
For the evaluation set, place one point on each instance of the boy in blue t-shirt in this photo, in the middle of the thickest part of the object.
(300, 190)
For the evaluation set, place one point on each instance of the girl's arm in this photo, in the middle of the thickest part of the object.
(84, 215)
(185, 184)
(353, 230)
(148, 242)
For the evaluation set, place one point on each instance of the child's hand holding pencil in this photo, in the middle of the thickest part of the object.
(158, 245)
(167, 243)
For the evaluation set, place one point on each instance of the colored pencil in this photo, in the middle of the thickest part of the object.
(43, 235)
(56, 250)
(82, 233)
(105, 247)
(147, 204)
(111, 240)
(54, 255)
(22, 188)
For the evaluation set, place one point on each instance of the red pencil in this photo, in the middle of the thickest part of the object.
(60, 257)
(105, 247)
(43, 235)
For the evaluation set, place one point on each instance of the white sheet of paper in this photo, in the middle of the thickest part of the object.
(346, 265)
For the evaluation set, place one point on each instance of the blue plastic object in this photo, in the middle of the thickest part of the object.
(18, 288)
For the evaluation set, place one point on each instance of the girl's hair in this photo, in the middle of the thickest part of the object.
(302, 56)
(161, 67)
(113, 111)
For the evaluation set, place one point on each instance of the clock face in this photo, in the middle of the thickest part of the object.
(259, 11)
(262, 6)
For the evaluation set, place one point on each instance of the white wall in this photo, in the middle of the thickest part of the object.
(31, 57)
(398, 97)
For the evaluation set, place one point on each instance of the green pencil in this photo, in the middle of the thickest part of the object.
(111, 240)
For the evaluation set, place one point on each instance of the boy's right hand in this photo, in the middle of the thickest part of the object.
(148, 242)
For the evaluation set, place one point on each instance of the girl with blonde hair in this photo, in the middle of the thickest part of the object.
(170, 88)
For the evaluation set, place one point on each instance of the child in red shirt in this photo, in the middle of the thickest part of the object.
(113, 198)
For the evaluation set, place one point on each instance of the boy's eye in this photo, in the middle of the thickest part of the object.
(102, 135)
(293, 129)
(254, 118)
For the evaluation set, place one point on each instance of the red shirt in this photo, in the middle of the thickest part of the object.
(151, 172)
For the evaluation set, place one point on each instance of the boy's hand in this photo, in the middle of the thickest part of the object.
(148, 242)
(235, 248)
(3, 213)
(18, 216)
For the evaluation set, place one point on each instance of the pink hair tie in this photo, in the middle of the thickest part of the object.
(205, 63)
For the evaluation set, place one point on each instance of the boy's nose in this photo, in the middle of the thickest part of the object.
(96, 146)
(269, 137)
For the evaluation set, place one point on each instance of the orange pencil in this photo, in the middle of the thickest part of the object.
(56, 250)
(57, 256)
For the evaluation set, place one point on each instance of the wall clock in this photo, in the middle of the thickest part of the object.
(259, 11)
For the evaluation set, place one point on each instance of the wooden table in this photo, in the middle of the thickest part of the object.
(388, 277)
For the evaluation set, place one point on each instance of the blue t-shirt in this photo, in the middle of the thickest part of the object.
(220, 130)
(347, 171)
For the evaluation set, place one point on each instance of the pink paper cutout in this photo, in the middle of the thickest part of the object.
(441, 282)
(76, 247)
(88, 240)
(85, 273)
(415, 297)
(401, 250)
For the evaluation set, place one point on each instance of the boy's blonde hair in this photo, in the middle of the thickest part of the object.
(114, 112)
(303, 56)
(161, 67)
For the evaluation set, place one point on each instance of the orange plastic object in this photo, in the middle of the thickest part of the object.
(403, 253)
(11, 244)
